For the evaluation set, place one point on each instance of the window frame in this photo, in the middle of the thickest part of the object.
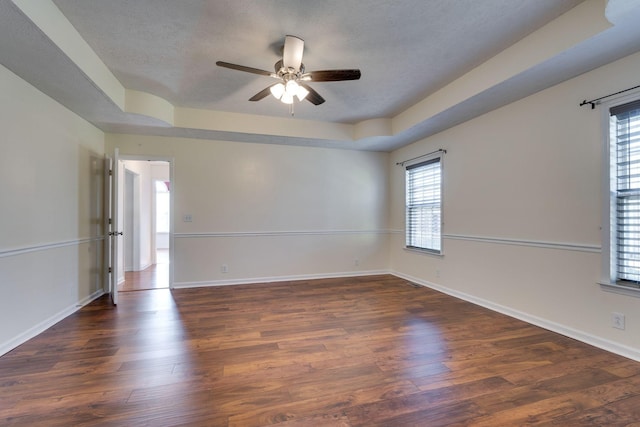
(423, 161)
(608, 280)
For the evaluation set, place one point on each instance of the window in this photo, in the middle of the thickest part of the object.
(424, 211)
(625, 194)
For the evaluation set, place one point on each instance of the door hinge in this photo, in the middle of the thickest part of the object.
(110, 172)
(110, 270)
(110, 222)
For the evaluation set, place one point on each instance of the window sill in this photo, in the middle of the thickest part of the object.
(424, 251)
(619, 289)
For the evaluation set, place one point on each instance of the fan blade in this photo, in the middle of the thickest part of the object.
(246, 69)
(331, 75)
(261, 95)
(292, 55)
(313, 96)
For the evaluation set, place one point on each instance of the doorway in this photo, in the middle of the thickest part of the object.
(145, 213)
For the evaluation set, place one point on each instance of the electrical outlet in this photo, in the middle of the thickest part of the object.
(187, 218)
(356, 262)
(617, 320)
(438, 273)
(224, 268)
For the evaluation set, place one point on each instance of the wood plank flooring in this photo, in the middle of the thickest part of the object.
(367, 351)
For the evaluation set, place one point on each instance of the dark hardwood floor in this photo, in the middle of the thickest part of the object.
(367, 351)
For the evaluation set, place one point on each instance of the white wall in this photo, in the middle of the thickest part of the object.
(142, 238)
(51, 227)
(271, 212)
(522, 203)
(160, 171)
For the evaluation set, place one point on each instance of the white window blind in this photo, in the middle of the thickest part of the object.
(423, 203)
(625, 132)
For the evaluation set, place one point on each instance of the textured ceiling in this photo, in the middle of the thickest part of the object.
(407, 51)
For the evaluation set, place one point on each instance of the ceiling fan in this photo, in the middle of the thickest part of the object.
(292, 76)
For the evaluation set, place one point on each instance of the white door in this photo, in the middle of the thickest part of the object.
(113, 234)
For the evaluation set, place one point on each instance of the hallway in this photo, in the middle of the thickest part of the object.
(154, 277)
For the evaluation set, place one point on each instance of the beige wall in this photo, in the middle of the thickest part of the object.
(522, 211)
(271, 212)
(522, 203)
(51, 169)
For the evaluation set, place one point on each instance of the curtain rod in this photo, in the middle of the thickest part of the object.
(595, 102)
(419, 157)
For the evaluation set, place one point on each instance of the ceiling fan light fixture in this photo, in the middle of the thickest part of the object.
(287, 98)
(301, 93)
(291, 87)
(277, 90)
(286, 91)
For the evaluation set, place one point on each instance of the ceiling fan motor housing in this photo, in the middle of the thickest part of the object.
(282, 71)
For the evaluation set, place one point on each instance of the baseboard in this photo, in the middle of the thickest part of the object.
(273, 279)
(46, 324)
(604, 344)
(144, 267)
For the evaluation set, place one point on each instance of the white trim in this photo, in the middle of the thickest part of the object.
(607, 270)
(277, 233)
(172, 218)
(620, 99)
(531, 243)
(439, 154)
(423, 158)
(495, 240)
(145, 266)
(272, 279)
(47, 323)
(613, 347)
(619, 289)
(47, 246)
(579, 247)
(423, 251)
